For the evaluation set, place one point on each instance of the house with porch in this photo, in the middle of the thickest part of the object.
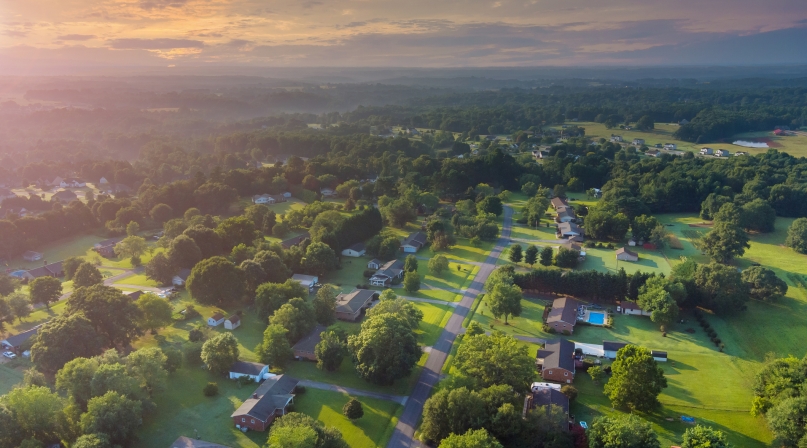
(569, 230)
(387, 273)
(269, 401)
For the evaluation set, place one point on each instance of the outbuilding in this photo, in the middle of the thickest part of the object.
(215, 320)
(232, 322)
(610, 348)
(624, 254)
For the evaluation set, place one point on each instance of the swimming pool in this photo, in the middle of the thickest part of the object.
(596, 317)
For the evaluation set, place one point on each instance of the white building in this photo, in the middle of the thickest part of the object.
(255, 371)
(215, 320)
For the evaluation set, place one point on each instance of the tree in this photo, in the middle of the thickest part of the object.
(642, 226)
(596, 373)
(490, 204)
(721, 288)
(35, 411)
(479, 438)
(113, 377)
(474, 328)
(622, 431)
(45, 290)
(63, 339)
(704, 437)
(133, 228)
(763, 284)
(438, 265)
(400, 307)
(326, 437)
(786, 421)
(516, 254)
(114, 415)
(374, 361)
(254, 275)
(274, 349)
(19, 304)
(184, 252)
(797, 236)
(504, 300)
(546, 256)
(154, 312)
(411, 263)
(92, 441)
(237, 230)
(636, 380)
(113, 314)
(724, 242)
(388, 248)
(271, 296)
(319, 259)
(297, 316)
(330, 351)
(452, 411)
(529, 189)
(758, 215)
(353, 409)
(220, 352)
(70, 265)
(160, 269)
(216, 281)
(292, 437)
(325, 304)
(272, 264)
(147, 366)
(75, 378)
(131, 247)
(663, 308)
(207, 240)
(87, 275)
(411, 281)
(645, 123)
(566, 258)
(531, 255)
(161, 213)
(495, 359)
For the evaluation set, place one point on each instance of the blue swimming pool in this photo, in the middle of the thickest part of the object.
(596, 317)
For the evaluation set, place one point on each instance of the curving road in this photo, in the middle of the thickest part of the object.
(403, 436)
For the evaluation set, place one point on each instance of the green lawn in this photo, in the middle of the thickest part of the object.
(604, 260)
(10, 376)
(528, 324)
(58, 250)
(137, 280)
(435, 317)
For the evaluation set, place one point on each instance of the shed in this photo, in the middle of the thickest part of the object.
(181, 277)
(623, 254)
(232, 322)
(659, 355)
(356, 250)
(610, 348)
(215, 320)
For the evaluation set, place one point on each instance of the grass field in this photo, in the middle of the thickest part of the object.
(528, 324)
(10, 376)
(137, 280)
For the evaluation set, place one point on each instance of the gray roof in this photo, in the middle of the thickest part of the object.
(187, 442)
(415, 239)
(562, 355)
(18, 339)
(566, 211)
(658, 354)
(184, 274)
(391, 269)
(270, 396)
(47, 271)
(567, 227)
(358, 247)
(549, 396)
(310, 341)
(563, 309)
(354, 300)
(247, 368)
(135, 295)
(612, 346)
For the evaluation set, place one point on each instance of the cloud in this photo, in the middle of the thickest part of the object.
(162, 4)
(15, 33)
(154, 44)
(76, 37)
(310, 4)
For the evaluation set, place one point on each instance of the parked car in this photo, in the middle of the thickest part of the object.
(9, 355)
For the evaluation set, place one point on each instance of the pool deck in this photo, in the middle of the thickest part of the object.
(586, 317)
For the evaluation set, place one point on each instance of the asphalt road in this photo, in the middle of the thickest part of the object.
(403, 436)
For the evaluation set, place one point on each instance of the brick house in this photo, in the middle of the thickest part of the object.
(269, 401)
(563, 315)
(556, 361)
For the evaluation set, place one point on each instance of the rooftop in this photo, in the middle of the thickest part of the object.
(310, 341)
(564, 309)
(561, 355)
(247, 368)
(273, 394)
(354, 300)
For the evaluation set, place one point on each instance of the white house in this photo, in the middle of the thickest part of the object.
(232, 322)
(263, 199)
(215, 320)
(387, 272)
(356, 250)
(610, 348)
(707, 151)
(181, 278)
(308, 281)
(103, 181)
(722, 153)
(659, 355)
(632, 308)
(616, 139)
(287, 195)
(638, 141)
(375, 263)
(327, 192)
(670, 146)
(623, 254)
(255, 371)
(72, 183)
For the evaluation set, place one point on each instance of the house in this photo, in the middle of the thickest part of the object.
(616, 139)
(295, 241)
(638, 141)
(722, 153)
(740, 153)
(632, 308)
(610, 348)
(670, 146)
(187, 442)
(565, 214)
(387, 273)
(54, 270)
(30, 255)
(327, 192)
(575, 246)
(683, 122)
(72, 183)
(232, 322)
(659, 355)
(556, 361)
(263, 199)
(103, 181)
(304, 348)
(349, 306)
(412, 131)
(557, 203)
(255, 371)
(308, 281)
(356, 250)
(563, 315)
(106, 248)
(653, 153)
(414, 242)
(707, 151)
(568, 230)
(271, 399)
(287, 195)
(181, 277)
(375, 263)
(19, 342)
(545, 396)
(134, 295)
(215, 320)
(490, 137)
(56, 182)
(623, 254)
(279, 198)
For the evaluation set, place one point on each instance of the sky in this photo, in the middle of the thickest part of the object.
(60, 34)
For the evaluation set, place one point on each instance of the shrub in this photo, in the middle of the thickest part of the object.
(211, 390)
(570, 391)
(368, 273)
(245, 380)
(195, 335)
(299, 390)
(190, 312)
(353, 409)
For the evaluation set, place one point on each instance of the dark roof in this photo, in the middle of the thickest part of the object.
(375, 261)
(628, 305)
(358, 247)
(307, 344)
(294, 241)
(417, 238)
(391, 268)
(354, 300)
(184, 274)
(65, 194)
(658, 354)
(612, 346)
(217, 316)
(187, 442)
(18, 339)
(270, 396)
(234, 318)
(626, 251)
(55, 268)
(135, 295)
(548, 396)
(543, 353)
(247, 368)
(47, 270)
(562, 355)
(108, 242)
(564, 309)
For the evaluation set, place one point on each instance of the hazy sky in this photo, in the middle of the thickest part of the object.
(411, 33)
